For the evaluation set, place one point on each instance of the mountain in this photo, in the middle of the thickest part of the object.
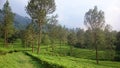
(20, 22)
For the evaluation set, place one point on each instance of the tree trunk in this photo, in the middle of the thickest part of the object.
(52, 45)
(96, 54)
(32, 47)
(60, 45)
(96, 48)
(25, 43)
(5, 39)
(32, 41)
(39, 38)
(71, 50)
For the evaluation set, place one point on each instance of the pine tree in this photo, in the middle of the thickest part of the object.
(38, 10)
(8, 25)
(72, 40)
(95, 20)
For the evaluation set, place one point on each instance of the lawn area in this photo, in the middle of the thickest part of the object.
(18, 60)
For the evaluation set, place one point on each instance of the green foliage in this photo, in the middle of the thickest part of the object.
(1, 32)
(76, 52)
(38, 11)
(80, 38)
(8, 26)
(95, 20)
(118, 42)
(53, 28)
(57, 55)
(109, 40)
(89, 39)
(46, 40)
(117, 49)
(81, 58)
(72, 39)
(71, 62)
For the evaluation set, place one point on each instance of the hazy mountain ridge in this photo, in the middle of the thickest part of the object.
(20, 22)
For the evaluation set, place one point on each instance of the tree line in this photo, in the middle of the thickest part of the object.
(45, 29)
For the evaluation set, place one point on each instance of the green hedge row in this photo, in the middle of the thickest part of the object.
(46, 64)
(4, 51)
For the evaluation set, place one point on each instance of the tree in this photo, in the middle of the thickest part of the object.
(80, 38)
(88, 39)
(8, 25)
(0, 29)
(118, 42)
(72, 40)
(94, 20)
(46, 39)
(28, 35)
(62, 35)
(53, 30)
(38, 10)
(117, 49)
(31, 35)
(109, 42)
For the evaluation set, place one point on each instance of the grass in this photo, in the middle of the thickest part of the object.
(59, 58)
(4, 51)
(18, 60)
(77, 52)
(81, 58)
(72, 62)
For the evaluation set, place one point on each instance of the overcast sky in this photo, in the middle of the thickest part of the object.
(71, 12)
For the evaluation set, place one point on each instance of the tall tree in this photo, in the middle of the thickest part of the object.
(95, 20)
(8, 25)
(109, 42)
(117, 49)
(46, 39)
(53, 30)
(88, 39)
(30, 33)
(38, 10)
(72, 40)
(80, 37)
(62, 35)
(0, 28)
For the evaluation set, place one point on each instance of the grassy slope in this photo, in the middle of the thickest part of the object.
(83, 60)
(58, 56)
(71, 62)
(77, 52)
(18, 60)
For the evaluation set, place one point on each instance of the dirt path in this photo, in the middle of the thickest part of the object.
(29, 62)
(19, 60)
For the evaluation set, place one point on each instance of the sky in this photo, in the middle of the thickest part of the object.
(71, 12)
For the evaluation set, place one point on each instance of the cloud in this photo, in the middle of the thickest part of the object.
(18, 6)
(71, 12)
(2, 3)
(112, 17)
(112, 13)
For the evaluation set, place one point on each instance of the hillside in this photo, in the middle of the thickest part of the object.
(52, 59)
(20, 22)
